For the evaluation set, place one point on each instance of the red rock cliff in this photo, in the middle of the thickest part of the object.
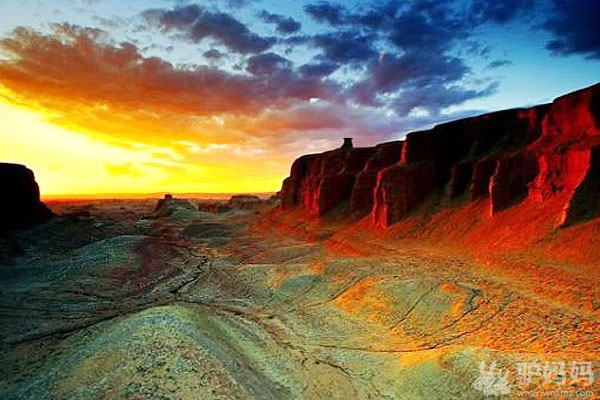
(505, 158)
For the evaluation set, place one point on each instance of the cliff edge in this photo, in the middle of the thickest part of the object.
(548, 154)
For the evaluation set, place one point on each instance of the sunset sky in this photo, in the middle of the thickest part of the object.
(221, 96)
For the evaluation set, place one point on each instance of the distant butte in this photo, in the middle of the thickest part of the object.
(548, 155)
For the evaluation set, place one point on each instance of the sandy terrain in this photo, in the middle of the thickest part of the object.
(108, 303)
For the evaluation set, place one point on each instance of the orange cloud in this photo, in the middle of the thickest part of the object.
(205, 129)
(87, 80)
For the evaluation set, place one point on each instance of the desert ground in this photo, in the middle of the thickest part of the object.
(112, 300)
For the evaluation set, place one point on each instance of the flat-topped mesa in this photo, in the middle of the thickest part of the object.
(503, 158)
(20, 204)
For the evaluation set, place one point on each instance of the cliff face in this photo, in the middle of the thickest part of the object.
(505, 158)
(20, 204)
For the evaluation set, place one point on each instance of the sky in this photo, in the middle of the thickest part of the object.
(115, 97)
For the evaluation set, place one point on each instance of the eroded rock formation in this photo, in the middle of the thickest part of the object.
(504, 157)
(244, 201)
(169, 205)
(323, 182)
(20, 204)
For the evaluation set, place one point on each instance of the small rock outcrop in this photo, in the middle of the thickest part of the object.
(213, 207)
(347, 143)
(244, 202)
(252, 203)
(169, 205)
(505, 158)
(20, 204)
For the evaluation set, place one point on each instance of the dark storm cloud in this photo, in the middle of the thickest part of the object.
(431, 28)
(296, 40)
(284, 25)
(436, 97)
(268, 63)
(576, 28)
(433, 24)
(406, 48)
(420, 79)
(333, 14)
(198, 23)
(318, 70)
(499, 12)
(339, 15)
(391, 72)
(345, 47)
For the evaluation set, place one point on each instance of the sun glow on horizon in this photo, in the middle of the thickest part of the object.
(67, 163)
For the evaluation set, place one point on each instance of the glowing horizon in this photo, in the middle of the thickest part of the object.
(66, 163)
